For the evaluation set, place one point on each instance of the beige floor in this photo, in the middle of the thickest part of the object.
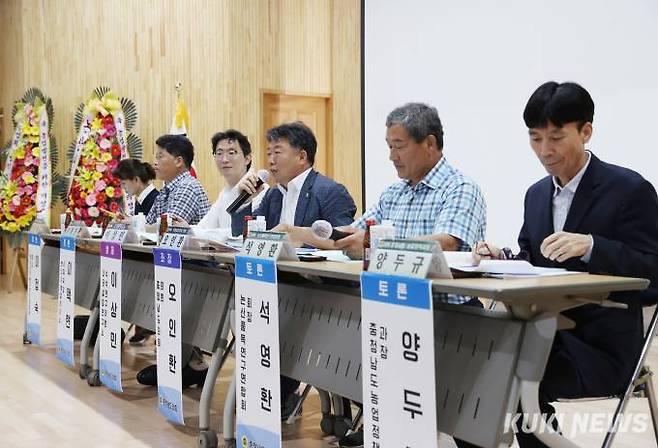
(44, 403)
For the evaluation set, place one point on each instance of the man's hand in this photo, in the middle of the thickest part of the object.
(303, 235)
(293, 232)
(179, 222)
(562, 246)
(248, 183)
(120, 217)
(484, 251)
(353, 244)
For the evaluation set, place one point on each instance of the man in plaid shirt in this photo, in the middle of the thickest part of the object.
(184, 199)
(432, 200)
(182, 196)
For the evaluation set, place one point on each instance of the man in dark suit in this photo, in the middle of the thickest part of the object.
(302, 196)
(589, 216)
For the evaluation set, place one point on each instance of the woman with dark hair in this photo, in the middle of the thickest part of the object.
(136, 178)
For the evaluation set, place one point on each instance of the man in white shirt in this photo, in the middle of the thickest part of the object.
(232, 152)
(301, 197)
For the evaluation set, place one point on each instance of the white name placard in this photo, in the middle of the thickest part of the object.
(411, 258)
(258, 386)
(33, 311)
(397, 343)
(270, 245)
(111, 265)
(66, 299)
(168, 289)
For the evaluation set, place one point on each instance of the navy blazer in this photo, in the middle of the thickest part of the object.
(619, 208)
(319, 198)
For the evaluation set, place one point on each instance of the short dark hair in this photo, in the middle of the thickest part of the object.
(298, 135)
(420, 120)
(177, 145)
(128, 169)
(232, 134)
(559, 104)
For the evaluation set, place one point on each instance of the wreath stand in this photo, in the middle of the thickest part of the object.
(18, 254)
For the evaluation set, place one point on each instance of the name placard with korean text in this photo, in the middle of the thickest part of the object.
(110, 304)
(412, 258)
(168, 320)
(33, 311)
(77, 229)
(397, 345)
(270, 245)
(258, 387)
(66, 299)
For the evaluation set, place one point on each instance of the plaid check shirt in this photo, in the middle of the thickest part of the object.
(444, 201)
(183, 197)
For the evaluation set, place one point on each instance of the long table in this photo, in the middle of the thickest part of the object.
(486, 361)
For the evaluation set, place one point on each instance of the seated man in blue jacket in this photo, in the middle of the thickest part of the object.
(302, 196)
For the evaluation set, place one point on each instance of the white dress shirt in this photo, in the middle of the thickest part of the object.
(217, 217)
(145, 192)
(562, 199)
(291, 197)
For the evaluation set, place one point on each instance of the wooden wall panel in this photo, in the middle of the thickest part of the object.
(11, 60)
(346, 95)
(224, 52)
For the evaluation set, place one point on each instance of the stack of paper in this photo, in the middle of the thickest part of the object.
(463, 261)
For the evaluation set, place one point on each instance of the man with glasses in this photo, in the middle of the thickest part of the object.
(232, 152)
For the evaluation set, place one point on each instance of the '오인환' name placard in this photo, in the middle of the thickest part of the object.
(168, 319)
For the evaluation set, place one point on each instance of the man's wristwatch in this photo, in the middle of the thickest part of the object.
(506, 254)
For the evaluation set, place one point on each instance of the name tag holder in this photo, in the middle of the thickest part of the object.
(120, 232)
(410, 258)
(77, 229)
(398, 336)
(111, 267)
(168, 321)
(269, 245)
(258, 388)
(176, 238)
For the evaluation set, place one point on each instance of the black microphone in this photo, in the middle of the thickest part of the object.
(324, 230)
(263, 175)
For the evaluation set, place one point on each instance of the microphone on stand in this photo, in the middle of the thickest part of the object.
(263, 175)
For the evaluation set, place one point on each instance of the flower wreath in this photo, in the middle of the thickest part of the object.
(28, 186)
(102, 125)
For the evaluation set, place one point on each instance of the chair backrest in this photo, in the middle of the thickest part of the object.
(651, 326)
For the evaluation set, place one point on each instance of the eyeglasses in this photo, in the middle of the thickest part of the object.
(230, 154)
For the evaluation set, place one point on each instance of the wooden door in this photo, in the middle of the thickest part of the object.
(314, 111)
